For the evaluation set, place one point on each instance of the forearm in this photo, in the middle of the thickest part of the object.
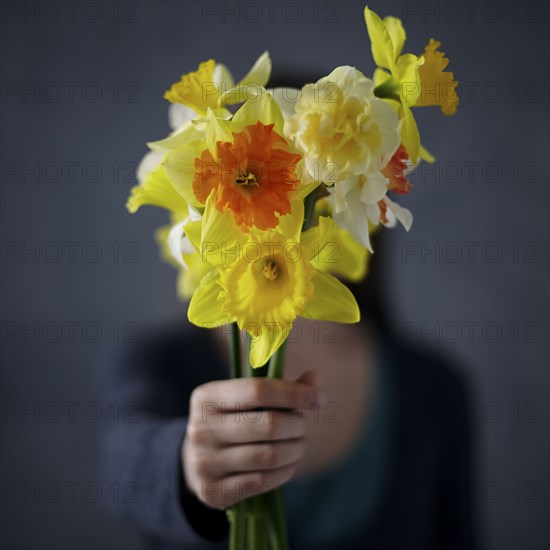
(143, 459)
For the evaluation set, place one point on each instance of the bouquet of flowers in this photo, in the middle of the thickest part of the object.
(272, 195)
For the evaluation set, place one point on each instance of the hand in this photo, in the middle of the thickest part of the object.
(246, 436)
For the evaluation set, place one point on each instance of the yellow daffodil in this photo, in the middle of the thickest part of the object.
(410, 80)
(212, 86)
(175, 248)
(264, 280)
(438, 85)
(157, 190)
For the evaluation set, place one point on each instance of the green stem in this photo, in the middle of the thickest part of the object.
(257, 523)
(265, 513)
(235, 351)
(237, 513)
(276, 511)
(309, 206)
(274, 500)
(237, 526)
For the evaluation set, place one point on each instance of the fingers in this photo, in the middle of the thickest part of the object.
(253, 393)
(255, 457)
(247, 432)
(226, 492)
(247, 427)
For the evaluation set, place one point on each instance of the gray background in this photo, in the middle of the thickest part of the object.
(490, 312)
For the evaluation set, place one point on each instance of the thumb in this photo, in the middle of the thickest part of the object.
(310, 377)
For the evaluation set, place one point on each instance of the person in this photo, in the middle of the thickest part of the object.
(369, 434)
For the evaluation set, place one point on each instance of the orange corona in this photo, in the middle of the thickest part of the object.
(253, 176)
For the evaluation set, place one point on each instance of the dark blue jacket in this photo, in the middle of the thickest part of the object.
(426, 502)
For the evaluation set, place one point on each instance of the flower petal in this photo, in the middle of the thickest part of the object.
(409, 135)
(286, 99)
(205, 310)
(186, 133)
(157, 190)
(425, 155)
(178, 243)
(438, 85)
(333, 301)
(395, 29)
(407, 73)
(179, 114)
(260, 72)
(265, 343)
(148, 163)
(374, 188)
(221, 237)
(381, 43)
(401, 214)
(190, 90)
(354, 218)
(251, 85)
(314, 240)
(347, 258)
(223, 77)
(380, 76)
(291, 224)
(193, 230)
(189, 279)
(179, 166)
(217, 130)
(262, 109)
(305, 188)
(338, 196)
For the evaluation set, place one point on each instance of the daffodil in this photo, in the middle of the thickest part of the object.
(263, 280)
(212, 86)
(156, 190)
(246, 161)
(272, 201)
(360, 203)
(253, 176)
(410, 80)
(341, 128)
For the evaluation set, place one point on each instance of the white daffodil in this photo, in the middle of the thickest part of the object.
(361, 202)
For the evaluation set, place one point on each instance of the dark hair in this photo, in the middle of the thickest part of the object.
(369, 293)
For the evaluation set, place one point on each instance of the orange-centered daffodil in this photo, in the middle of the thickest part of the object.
(253, 176)
(245, 162)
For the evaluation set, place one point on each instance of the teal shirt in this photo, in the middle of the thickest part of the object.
(322, 509)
